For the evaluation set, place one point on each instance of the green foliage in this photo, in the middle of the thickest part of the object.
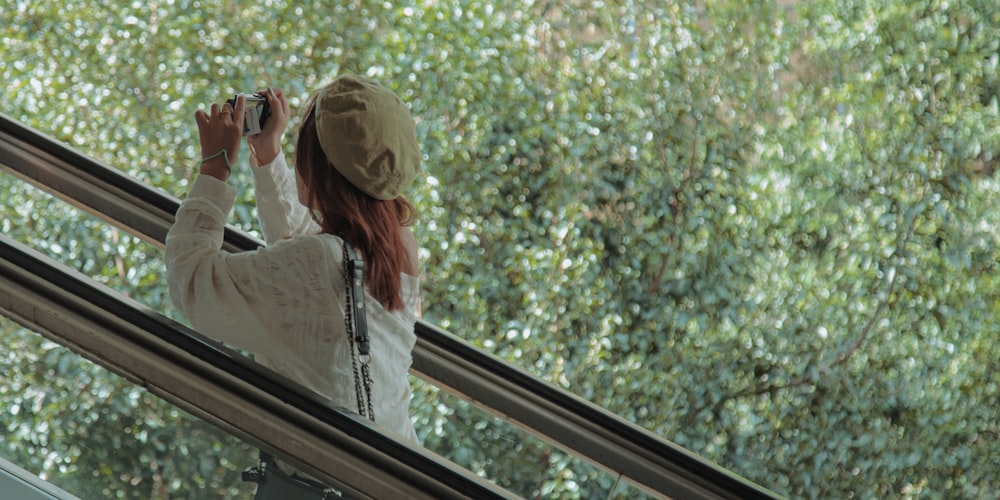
(100, 437)
(763, 230)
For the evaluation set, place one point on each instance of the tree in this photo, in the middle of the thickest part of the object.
(763, 230)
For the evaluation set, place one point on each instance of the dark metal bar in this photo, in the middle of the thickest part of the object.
(557, 416)
(104, 192)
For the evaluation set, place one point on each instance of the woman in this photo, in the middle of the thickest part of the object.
(356, 153)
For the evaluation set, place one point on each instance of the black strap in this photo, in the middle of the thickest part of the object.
(356, 270)
(355, 321)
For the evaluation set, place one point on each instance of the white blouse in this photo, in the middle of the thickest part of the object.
(285, 302)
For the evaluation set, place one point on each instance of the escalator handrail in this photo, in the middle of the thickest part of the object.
(555, 415)
(242, 397)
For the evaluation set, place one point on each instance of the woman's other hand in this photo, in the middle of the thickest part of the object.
(266, 145)
(220, 130)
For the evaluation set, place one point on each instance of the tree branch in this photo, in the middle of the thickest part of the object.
(842, 357)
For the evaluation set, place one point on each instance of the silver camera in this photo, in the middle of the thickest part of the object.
(256, 113)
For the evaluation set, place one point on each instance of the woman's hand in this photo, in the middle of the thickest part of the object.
(220, 130)
(266, 145)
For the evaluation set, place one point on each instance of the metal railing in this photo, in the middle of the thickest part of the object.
(600, 437)
(222, 386)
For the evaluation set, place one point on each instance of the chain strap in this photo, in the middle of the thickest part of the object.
(357, 334)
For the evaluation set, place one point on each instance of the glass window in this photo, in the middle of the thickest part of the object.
(763, 230)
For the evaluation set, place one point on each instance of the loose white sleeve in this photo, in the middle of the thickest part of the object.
(237, 298)
(278, 208)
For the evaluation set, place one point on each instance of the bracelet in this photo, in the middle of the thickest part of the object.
(224, 154)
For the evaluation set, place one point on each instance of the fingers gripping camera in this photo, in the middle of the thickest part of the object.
(257, 112)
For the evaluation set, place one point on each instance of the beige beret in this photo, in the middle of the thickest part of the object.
(368, 135)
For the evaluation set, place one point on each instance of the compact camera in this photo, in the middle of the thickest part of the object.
(256, 113)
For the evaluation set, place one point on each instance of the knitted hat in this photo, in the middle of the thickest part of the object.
(368, 135)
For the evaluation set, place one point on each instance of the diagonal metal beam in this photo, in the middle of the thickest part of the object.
(89, 185)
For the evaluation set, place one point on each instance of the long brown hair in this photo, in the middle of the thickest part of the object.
(371, 225)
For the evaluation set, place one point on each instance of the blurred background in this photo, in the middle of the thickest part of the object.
(764, 230)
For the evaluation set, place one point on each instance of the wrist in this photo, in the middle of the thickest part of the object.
(266, 152)
(265, 157)
(216, 165)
